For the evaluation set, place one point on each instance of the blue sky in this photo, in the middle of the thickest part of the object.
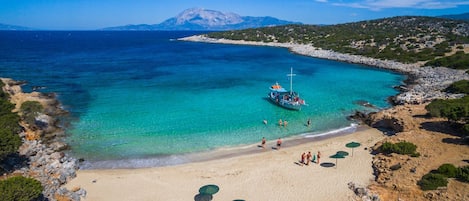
(95, 14)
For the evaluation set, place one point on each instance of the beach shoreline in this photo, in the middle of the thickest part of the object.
(218, 153)
(263, 175)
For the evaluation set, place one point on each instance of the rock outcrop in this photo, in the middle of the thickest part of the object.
(41, 155)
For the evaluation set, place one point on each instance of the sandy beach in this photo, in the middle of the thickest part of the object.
(268, 174)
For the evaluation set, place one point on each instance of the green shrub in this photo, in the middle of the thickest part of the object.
(31, 110)
(463, 174)
(406, 148)
(387, 148)
(453, 109)
(461, 86)
(20, 189)
(432, 181)
(449, 170)
(9, 143)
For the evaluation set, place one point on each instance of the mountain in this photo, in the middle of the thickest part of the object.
(203, 19)
(464, 16)
(8, 27)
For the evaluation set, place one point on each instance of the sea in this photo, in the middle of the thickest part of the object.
(144, 98)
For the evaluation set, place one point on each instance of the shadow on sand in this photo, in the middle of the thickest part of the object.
(327, 165)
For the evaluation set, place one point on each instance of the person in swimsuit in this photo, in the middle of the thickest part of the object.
(319, 156)
(279, 143)
(308, 157)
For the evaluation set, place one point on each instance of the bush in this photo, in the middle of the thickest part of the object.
(461, 86)
(20, 189)
(453, 109)
(463, 174)
(406, 148)
(449, 170)
(31, 110)
(387, 148)
(432, 181)
(9, 143)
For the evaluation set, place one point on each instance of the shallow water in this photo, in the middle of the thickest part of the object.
(135, 95)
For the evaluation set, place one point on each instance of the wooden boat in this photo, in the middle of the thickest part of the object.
(286, 99)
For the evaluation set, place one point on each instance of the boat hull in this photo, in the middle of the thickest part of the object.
(276, 99)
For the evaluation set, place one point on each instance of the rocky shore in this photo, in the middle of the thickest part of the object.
(41, 155)
(423, 84)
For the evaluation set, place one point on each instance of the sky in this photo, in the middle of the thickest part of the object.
(97, 14)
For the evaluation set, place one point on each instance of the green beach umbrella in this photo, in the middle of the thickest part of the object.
(337, 156)
(343, 153)
(352, 145)
(209, 189)
(203, 197)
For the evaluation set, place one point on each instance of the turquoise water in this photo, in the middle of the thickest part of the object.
(140, 95)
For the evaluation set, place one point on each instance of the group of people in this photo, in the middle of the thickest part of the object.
(283, 123)
(308, 157)
(279, 143)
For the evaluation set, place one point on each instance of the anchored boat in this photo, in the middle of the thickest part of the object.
(286, 99)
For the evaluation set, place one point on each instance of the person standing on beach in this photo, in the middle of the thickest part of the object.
(303, 157)
(319, 156)
(308, 158)
(279, 143)
(263, 142)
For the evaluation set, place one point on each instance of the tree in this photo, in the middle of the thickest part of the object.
(20, 189)
(9, 143)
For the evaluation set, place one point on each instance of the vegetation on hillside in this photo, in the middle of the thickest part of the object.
(9, 127)
(455, 110)
(30, 110)
(405, 39)
(439, 178)
(405, 148)
(459, 87)
(20, 188)
(459, 60)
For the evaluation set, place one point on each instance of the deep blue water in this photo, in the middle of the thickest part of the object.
(139, 95)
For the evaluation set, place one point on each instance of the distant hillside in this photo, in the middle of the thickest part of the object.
(405, 39)
(202, 19)
(8, 27)
(464, 16)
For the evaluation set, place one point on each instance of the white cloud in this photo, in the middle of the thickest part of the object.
(384, 4)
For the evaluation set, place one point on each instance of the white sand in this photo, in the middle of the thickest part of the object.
(266, 175)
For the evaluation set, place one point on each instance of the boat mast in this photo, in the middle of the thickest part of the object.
(291, 80)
